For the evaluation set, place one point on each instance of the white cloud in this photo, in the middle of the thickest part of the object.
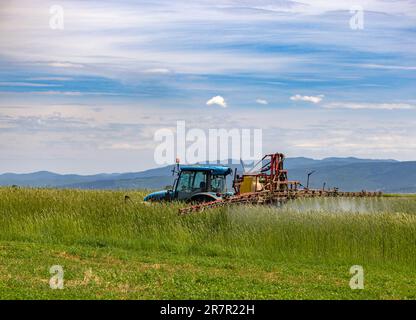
(262, 101)
(218, 100)
(65, 65)
(313, 99)
(158, 71)
(369, 106)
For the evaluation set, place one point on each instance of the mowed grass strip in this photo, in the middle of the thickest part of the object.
(109, 273)
(115, 249)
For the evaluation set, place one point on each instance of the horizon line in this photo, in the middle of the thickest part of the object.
(219, 162)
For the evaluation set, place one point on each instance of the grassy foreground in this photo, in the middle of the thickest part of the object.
(110, 249)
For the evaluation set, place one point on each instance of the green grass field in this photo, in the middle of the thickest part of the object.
(110, 249)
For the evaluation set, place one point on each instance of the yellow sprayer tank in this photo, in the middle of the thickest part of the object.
(250, 184)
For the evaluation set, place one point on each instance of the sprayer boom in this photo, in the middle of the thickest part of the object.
(270, 185)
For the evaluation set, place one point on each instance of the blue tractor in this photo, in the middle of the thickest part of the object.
(197, 183)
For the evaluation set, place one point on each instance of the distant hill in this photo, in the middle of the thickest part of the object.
(395, 177)
(345, 173)
(300, 162)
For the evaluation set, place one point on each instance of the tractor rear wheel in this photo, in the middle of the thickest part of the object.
(201, 199)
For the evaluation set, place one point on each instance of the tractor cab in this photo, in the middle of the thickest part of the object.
(197, 183)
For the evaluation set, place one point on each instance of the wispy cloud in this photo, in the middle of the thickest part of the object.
(53, 93)
(124, 146)
(369, 106)
(50, 79)
(262, 101)
(387, 67)
(125, 132)
(158, 71)
(144, 64)
(313, 99)
(217, 100)
(60, 93)
(26, 84)
(65, 65)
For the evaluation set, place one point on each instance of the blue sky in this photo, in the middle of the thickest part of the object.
(89, 98)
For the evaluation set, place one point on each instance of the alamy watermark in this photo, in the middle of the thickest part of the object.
(357, 19)
(357, 280)
(56, 21)
(196, 145)
(57, 279)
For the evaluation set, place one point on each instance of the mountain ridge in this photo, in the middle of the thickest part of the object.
(348, 173)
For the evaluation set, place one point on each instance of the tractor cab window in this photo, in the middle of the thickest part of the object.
(218, 184)
(185, 181)
(192, 181)
(200, 182)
